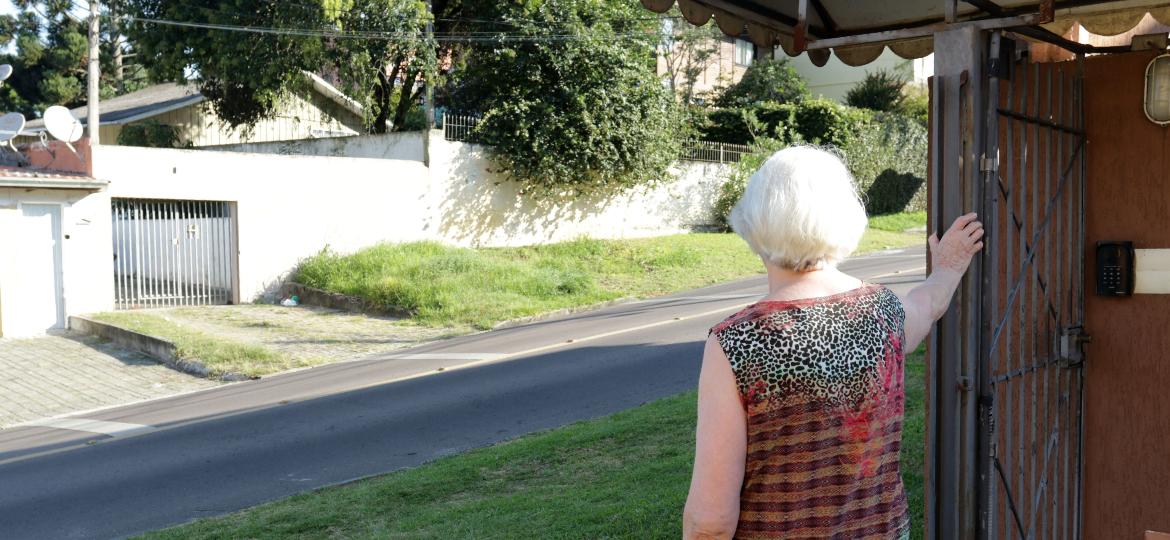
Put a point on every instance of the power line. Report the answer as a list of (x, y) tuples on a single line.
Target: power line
[(414, 35)]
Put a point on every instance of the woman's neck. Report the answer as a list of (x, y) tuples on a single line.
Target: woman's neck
[(785, 284)]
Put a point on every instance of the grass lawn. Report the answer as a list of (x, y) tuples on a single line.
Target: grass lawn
[(621, 476), (446, 286), (220, 355)]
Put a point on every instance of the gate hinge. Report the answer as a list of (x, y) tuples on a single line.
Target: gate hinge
[(988, 164), (1071, 351)]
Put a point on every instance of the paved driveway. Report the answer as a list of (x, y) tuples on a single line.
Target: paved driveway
[(66, 373)]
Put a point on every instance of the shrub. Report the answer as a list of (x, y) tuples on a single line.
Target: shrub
[(767, 80), (917, 105), (887, 158), (826, 122), (820, 121), (881, 90), (150, 133), (886, 154), (732, 190)]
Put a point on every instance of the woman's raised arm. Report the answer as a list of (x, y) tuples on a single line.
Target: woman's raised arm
[(950, 257)]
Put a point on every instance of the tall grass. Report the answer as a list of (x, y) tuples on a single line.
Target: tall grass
[(448, 286)]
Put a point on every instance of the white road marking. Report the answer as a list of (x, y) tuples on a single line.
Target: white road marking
[(446, 356), (113, 429), (906, 272)]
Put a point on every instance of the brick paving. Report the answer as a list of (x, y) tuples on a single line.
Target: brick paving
[(66, 372)]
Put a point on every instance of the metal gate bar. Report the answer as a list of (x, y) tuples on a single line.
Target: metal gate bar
[(1030, 389), (172, 253)]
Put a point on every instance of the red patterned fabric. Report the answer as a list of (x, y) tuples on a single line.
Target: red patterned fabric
[(821, 381)]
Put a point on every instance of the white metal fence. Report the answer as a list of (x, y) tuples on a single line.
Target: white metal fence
[(172, 253), (459, 127)]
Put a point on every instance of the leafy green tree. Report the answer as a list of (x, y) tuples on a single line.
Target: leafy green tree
[(574, 106), (49, 54), (377, 49), (685, 52), (766, 80), (880, 90)]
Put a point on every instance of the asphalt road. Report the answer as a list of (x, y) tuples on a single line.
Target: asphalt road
[(207, 453)]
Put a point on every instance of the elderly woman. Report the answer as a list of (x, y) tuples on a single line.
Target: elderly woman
[(801, 394)]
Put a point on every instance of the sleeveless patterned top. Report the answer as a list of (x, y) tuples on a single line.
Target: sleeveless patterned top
[(821, 381)]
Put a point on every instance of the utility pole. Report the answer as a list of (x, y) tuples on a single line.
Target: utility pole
[(94, 83), (430, 94)]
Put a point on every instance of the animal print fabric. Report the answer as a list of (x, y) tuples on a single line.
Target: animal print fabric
[(821, 381)]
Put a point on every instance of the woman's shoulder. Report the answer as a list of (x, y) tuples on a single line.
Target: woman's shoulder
[(865, 292)]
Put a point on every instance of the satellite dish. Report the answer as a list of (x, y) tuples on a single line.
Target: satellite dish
[(11, 125), (5, 72), (61, 124)]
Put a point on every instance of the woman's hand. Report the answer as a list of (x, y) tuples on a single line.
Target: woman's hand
[(950, 256), (961, 242)]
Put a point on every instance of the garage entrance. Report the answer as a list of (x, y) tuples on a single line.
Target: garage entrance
[(173, 253)]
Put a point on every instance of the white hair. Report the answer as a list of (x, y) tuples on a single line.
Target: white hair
[(801, 210)]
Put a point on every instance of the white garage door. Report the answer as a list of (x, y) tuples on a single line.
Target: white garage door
[(32, 297)]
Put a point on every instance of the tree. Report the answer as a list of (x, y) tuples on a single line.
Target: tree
[(570, 101), (376, 48), (49, 54), (685, 52), (880, 90), (766, 80)]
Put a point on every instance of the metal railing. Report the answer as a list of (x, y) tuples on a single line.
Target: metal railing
[(713, 152), (459, 127)]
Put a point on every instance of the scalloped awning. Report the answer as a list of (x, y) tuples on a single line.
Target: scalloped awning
[(773, 23)]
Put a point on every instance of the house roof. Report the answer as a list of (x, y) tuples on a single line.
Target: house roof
[(858, 32), (16, 177), (161, 98), (145, 103)]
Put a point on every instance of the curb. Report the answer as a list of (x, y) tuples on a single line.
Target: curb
[(510, 323), (154, 347), (316, 297)]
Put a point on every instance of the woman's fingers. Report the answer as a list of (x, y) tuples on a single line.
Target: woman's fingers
[(962, 221)]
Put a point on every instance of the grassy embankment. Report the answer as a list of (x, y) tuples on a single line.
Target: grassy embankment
[(465, 289)]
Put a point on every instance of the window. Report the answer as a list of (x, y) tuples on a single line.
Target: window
[(744, 52)]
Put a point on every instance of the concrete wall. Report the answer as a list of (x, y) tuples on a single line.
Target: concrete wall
[(291, 206), (476, 206), (406, 145), (87, 261)]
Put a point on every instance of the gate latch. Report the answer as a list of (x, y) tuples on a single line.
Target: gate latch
[(1071, 351)]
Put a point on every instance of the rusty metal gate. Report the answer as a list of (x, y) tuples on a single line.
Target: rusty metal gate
[(1030, 378), (173, 253)]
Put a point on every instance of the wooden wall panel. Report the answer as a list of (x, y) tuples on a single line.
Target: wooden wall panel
[(1127, 376)]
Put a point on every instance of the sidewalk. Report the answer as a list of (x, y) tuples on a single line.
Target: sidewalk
[(66, 373)]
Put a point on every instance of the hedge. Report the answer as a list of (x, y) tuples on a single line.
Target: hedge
[(885, 152)]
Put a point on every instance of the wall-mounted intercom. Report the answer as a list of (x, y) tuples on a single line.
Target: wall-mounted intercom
[(1115, 268)]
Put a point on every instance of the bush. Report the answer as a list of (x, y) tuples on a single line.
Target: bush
[(887, 158), (881, 90), (886, 154), (826, 122), (819, 121), (917, 106), (767, 80), (732, 190), (150, 133)]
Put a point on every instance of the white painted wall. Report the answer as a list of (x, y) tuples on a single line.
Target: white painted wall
[(87, 275), (408, 145), (290, 207)]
